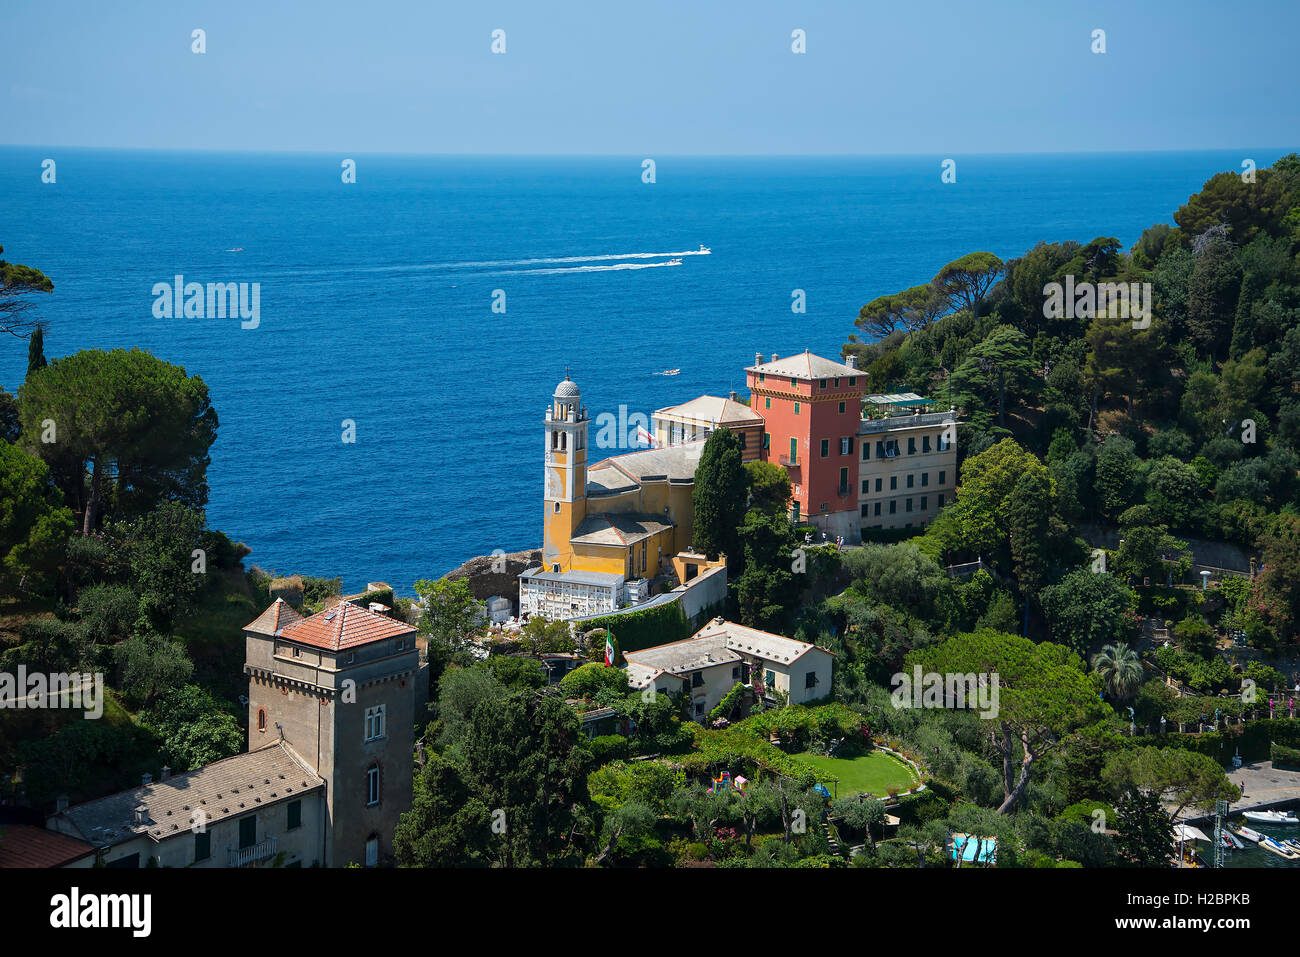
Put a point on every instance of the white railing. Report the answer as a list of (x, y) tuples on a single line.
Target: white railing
[(242, 857)]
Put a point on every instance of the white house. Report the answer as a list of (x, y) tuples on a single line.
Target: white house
[(710, 663)]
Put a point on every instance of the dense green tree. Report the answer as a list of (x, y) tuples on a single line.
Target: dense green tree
[(36, 351), (17, 284), (448, 824), (34, 524), (720, 493), (767, 586), (966, 281), (1087, 609), (1212, 296), (1145, 831), (195, 728), (1119, 669), (769, 487), (1043, 695), (155, 554), (1177, 776), (141, 425), (1000, 366), (451, 616)]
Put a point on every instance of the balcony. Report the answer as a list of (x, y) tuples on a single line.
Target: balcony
[(897, 422), (245, 856), (844, 491), (789, 461)]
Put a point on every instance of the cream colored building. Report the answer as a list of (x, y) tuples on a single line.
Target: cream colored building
[(908, 465), (712, 661), (696, 420)]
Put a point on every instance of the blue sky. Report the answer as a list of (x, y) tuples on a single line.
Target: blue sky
[(661, 78)]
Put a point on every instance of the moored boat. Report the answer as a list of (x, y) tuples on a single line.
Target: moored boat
[(1271, 817), (1249, 834), (1281, 850)]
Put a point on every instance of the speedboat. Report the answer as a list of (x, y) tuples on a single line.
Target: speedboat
[(1232, 839), (1281, 850), (1253, 836), (1291, 843), (674, 262), (1271, 817), (703, 250), (670, 372)]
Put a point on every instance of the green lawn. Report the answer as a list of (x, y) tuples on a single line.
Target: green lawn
[(874, 773)]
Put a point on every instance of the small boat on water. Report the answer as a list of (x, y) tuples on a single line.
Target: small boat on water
[(670, 372), (673, 262), (1292, 843), (1249, 834), (1281, 850), (1271, 817), (703, 250), (1230, 841)]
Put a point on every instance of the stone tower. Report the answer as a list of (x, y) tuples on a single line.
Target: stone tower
[(339, 687)]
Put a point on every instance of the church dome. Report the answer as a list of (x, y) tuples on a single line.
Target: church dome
[(568, 389)]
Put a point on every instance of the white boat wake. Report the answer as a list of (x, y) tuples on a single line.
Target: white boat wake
[(568, 269)]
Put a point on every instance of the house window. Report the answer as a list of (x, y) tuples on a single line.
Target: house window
[(925, 479), (878, 485), (795, 513), (910, 479), (822, 383), (247, 831), (295, 815), (866, 486), (374, 722), (762, 376), (909, 504), (942, 476), (372, 851), (866, 451), (297, 652), (810, 680), (796, 406), (557, 508), (401, 644), (352, 656), (893, 506), (767, 440), (769, 678), (911, 445), (865, 509), (794, 450), (893, 483), (943, 442), (826, 447), (697, 679), (877, 508), (735, 673), (743, 436), (699, 709), (846, 445), (767, 402), (841, 408), (844, 480), (853, 380), (261, 719), (372, 785), (924, 500), (941, 501), (836, 382), (202, 846), (925, 443)]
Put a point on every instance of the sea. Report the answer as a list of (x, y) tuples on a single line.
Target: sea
[(383, 420)]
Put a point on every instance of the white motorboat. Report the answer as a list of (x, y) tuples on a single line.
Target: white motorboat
[(1271, 817), (1281, 850), (1250, 835), (703, 250), (1231, 840), (674, 262)]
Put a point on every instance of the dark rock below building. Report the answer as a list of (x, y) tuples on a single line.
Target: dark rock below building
[(490, 575)]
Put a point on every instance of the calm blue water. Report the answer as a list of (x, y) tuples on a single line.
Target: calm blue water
[(376, 304)]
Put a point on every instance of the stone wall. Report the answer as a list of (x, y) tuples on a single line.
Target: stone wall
[(485, 580)]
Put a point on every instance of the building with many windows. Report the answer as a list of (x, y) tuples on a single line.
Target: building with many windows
[(811, 408), (907, 467)]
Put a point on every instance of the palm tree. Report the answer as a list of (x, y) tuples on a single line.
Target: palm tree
[(1120, 670)]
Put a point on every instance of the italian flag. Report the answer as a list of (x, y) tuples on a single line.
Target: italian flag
[(609, 649)]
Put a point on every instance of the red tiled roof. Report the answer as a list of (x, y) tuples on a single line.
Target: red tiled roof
[(22, 845), (344, 626), (279, 615)]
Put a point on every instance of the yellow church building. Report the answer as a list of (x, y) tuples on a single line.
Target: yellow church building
[(607, 527)]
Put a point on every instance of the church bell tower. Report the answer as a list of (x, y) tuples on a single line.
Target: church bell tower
[(565, 497)]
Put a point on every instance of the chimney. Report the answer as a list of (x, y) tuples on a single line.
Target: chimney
[(733, 395), (146, 779), (140, 814), (379, 608), (851, 361), (60, 803), (774, 357), (758, 358), (166, 772)]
